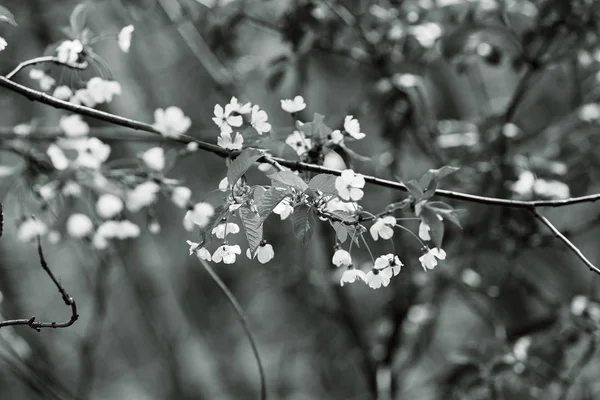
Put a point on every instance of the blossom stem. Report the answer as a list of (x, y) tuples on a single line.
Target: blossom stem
[(41, 60), (412, 233), (368, 248), (244, 321)]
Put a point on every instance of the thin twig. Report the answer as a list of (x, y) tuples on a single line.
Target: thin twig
[(44, 60), (566, 241), (244, 321), (68, 300)]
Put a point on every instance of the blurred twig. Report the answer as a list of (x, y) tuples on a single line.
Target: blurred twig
[(44, 60), (244, 321)]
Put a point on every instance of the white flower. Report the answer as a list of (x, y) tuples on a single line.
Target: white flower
[(53, 236), (235, 106), (295, 105), (142, 195), (375, 279), (201, 214), (203, 254), (79, 225), (427, 33), (193, 246), (62, 92), (46, 82), (83, 96), (72, 189), (388, 265), (470, 277), (341, 258), (128, 230), (383, 228), (258, 120), (524, 185), (299, 142), (109, 205), (589, 112), (91, 152), (264, 253), (57, 157), (3, 43), (68, 51), (222, 230), (171, 122), (428, 260), (30, 229), (36, 74), (337, 137), (180, 196), (227, 142), (351, 275), (192, 146), (22, 129), (551, 189), (154, 227), (154, 158), (352, 127), (48, 191), (224, 119), (349, 185), (424, 229), (102, 91), (284, 208), (124, 38), (224, 185), (335, 204), (521, 348), (73, 125), (108, 229), (579, 304), (226, 254)]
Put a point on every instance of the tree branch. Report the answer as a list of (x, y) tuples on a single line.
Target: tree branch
[(43, 60)]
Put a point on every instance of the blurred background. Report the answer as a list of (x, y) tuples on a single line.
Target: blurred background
[(503, 89)]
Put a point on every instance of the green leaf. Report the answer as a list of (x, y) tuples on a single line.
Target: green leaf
[(269, 200), (253, 226), (242, 163), (288, 178), (414, 189), (323, 182), (7, 16), (436, 227), (439, 206), (304, 223), (343, 231), (435, 175)]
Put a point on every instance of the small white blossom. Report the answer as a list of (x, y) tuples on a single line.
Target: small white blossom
[(521, 348), (224, 185), (383, 227), (264, 253), (579, 305), (30, 228), (72, 189), (124, 38), (142, 195), (180, 196), (524, 185), (222, 230), (82, 96), (109, 205), (171, 122), (201, 214), (68, 51), (426, 34), (193, 246), (375, 279), (299, 142), (62, 92), (154, 158), (589, 112), (203, 254), (284, 208), (79, 225), (352, 127), (551, 189), (92, 152), (22, 129), (227, 142), (470, 278), (46, 82), (428, 260), (424, 229), (73, 125), (57, 157), (36, 74), (223, 117), (236, 106), (351, 275), (341, 258), (388, 265), (349, 185), (128, 230), (53, 236), (3, 43), (258, 120), (337, 137), (293, 105), (192, 146), (226, 254), (154, 227), (102, 91)]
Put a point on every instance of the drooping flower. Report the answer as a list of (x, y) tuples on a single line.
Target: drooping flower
[(351, 275), (171, 122), (79, 225), (424, 229), (62, 92), (68, 51), (124, 38), (428, 260), (224, 185), (293, 105), (375, 279), (349, 185), (102, 91), (30, 228), (284, 208), (383, 227), (226, 253), (73, 125), (258, 120), (201, 214), (109, 205), (299, 142), (142, 195), (264, 253), (352, 127), (221, 230), (203, 254), (193, 246), (180, 196), (388, 265), (3, 43), (224, 117), (154, 158), (227, 142), (341, 258)]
